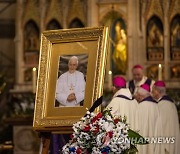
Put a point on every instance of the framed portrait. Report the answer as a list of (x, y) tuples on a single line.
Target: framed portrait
[(71, 76)]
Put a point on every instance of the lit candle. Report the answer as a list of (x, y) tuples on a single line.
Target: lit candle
[(159, 72), (110, 80), (34, 78)]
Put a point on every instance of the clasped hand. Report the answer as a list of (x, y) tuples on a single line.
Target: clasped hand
[(71, 97)]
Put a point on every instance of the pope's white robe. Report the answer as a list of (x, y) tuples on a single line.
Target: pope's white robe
[(170, 124), (148, 124), (123, 105), (70, 83)]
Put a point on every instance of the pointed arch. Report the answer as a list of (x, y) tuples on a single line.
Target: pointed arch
[(76, 23), (31, 36), (31, 43), (175, 37), (53, 24), (110, 17), (155, 39)]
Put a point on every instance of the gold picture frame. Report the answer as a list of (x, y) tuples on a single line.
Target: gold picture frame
[(54, 45)]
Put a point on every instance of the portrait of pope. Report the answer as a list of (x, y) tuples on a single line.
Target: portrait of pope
[(70, 86)]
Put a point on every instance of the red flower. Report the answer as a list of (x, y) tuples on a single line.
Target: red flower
[(71, 136), (116, 120), (99, 115), (96, 130), (110, 134), (87, 128), (94, 119), (79, 151)]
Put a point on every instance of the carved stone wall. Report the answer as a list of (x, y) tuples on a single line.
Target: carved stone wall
[(136, 15)]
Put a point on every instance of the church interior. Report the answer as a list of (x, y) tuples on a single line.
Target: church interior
[(145, 32)]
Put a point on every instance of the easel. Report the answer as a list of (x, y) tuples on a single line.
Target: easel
[(46, 136), (45, 139)]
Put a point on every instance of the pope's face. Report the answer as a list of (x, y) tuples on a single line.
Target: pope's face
[(73, 64), (137, 74)]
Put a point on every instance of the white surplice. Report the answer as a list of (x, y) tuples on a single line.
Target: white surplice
[(123, 106), (149, 125), (70, 83), (170, 125)]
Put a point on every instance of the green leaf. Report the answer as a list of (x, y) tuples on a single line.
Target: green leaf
[(132, 150), (136, 138)]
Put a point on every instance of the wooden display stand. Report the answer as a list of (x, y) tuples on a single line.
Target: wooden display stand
[(46, 137)]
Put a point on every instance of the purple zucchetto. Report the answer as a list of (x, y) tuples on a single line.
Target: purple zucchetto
[(119, 81), (145, 87), (160, 83)]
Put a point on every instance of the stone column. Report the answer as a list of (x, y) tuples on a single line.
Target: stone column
[(19, 69), (143, 37), (65, 7), (92, 14), (42, 15), (166, 46), (132, 36)]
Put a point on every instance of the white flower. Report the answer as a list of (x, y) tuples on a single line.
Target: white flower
[(109, 118), (83, 118), (84, 135), (65, 148), (108, 126), (96, 150), (99, 139), (88, 113), (92, 114), (101, 122)]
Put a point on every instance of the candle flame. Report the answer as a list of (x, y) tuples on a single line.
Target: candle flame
[(34, 69)]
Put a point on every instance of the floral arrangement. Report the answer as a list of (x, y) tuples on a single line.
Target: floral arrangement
[(101, 134)]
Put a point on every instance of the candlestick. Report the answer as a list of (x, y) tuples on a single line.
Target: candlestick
[(159, 72), (34, 79), (109, 80)]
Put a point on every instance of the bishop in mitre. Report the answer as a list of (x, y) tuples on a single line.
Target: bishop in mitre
[(147, 120), (122, 103), (169, 118), (70, 86)]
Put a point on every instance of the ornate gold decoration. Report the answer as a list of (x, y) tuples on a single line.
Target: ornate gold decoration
[(155, 55), (31, 12), (54, 12), (46, 116), (175, 71), (152, 72), (176, 55)]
